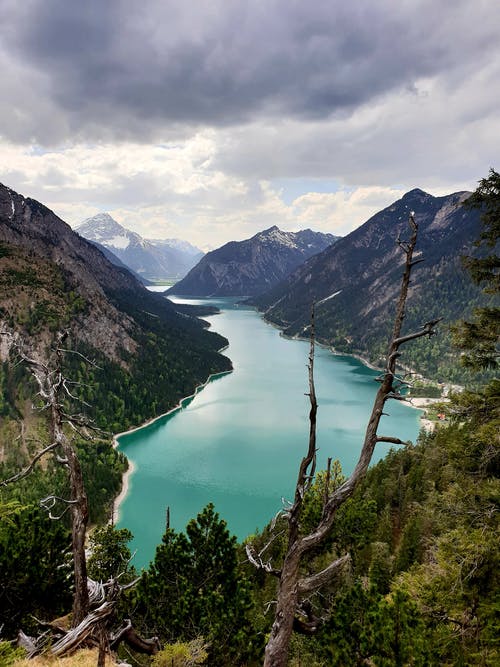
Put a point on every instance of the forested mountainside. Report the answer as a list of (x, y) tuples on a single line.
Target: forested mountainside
[(152, 259), (354, 282), (52, 279), (146, 355), (244, 268)]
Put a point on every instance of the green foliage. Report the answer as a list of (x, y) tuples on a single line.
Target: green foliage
[(182, 654), (480, 336), (368, 628), (5, 250), (102, 469), (425, 390), (27, 277), (165, 369), (354, 518), (9, 654), (33, 570), (194, 588), (486, 197), (110, 555), (9, 509)]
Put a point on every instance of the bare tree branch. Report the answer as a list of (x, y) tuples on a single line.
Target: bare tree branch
[(50, 383), (315, 581), (394, 441), (255, 559), (29, 468), (79, 354)]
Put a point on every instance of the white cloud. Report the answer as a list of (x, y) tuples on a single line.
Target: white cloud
[(193, 146), (341, 212)]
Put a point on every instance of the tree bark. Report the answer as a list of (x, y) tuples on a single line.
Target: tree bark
[(78, 499), (78, 529), (276, 653)]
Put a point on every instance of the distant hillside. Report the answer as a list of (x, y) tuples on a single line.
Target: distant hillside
[(149, 354), (245, 268), (354, 283), (156, 259)]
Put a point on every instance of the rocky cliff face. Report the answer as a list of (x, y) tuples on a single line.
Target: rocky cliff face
[(156, 259), (50, 277), (244, 268), (355, 282)]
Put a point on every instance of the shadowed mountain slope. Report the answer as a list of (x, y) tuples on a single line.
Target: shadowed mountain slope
[(354, 283), (51, 279)]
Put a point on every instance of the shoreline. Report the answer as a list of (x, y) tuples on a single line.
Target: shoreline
[(417, 403), (115, 512), (324, 345), (420, 403)]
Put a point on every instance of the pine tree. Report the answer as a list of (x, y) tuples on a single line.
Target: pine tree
[(33, 570), (479, 337), (193, 588)]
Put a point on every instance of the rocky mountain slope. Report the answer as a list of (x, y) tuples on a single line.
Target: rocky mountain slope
[(355, 282), (51, 278), (245, 268), (153, 259)]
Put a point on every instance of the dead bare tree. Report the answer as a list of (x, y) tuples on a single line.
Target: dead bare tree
[(93, 603), (53, 389), (93, 628), (292, 587)]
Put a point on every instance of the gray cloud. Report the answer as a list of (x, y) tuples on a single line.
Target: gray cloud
[(99, 70)]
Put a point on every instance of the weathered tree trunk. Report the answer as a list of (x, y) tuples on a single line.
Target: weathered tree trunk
[(291, 586), (78, 500), (276, 653), (52, 389), (80, 515)]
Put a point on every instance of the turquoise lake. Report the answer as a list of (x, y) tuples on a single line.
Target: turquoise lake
[(239, 441)]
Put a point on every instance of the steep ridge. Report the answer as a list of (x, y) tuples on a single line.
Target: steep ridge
[(51, 279), (355, 282), (153, 259), (245, 268)]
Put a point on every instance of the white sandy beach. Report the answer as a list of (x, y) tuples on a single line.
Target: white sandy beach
[(115, 515)]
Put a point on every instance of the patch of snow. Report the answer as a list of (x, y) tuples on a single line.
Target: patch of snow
[(327, 298), (120, 242), (283, 238)]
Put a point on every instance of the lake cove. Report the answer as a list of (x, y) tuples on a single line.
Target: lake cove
[(239, 441)]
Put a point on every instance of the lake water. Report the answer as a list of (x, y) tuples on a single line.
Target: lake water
[(239, 441)]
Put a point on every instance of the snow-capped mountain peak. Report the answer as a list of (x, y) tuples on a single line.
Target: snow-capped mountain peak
[(102, 228), (156, 259)]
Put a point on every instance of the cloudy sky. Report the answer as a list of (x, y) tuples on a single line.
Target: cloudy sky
[(211, 120)]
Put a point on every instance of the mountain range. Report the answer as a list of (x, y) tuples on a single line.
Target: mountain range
[(354, 283), (151, 259), (52, 279), (249, 267)]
